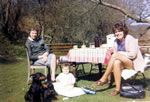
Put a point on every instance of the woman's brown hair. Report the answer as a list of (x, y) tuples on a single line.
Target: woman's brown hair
[(120, 27), (35, 28)]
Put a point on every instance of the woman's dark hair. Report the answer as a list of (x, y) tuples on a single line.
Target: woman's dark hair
[(120, 27), (35, 28)]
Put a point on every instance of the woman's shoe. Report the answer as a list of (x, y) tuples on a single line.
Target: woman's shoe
[(115, 92), (99, 83)]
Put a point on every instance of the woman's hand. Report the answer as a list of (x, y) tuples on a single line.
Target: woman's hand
[(44, 59), (40, 57), (45, 54), (111, 50)]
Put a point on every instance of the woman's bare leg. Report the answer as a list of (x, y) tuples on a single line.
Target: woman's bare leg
[(117, 73), (108, 69), (53, 67), (120, 63), (127, 63)]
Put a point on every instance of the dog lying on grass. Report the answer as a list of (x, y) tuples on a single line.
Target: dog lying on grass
[(38, 91)]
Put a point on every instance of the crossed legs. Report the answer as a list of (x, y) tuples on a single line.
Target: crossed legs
[(117, 63)]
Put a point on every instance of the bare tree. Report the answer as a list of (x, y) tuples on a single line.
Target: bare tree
[(79, 21), (63, 20), (137, 19), (41, 17)]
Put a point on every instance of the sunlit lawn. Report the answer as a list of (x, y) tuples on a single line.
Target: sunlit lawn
[(13, 85)]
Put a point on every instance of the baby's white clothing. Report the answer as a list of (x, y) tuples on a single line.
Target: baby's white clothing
[(62, 87)]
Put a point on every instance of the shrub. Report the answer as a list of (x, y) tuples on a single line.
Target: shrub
[(19, 50), (6, 49)]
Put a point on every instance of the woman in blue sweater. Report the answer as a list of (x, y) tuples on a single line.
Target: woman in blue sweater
[(39, 52)]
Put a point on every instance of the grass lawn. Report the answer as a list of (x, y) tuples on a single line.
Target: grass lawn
[(13, 85)]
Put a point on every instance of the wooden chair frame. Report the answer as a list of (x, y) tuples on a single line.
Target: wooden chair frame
[(32, 68)]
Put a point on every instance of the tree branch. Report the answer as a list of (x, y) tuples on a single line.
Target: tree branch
[(101, 2)]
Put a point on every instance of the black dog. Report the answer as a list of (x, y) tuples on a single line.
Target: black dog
[(35, 93), (39, 92), (49, 92)]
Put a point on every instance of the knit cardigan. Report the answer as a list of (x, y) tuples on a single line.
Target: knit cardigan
[(132, 52)]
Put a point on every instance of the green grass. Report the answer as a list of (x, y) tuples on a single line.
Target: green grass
[(13, 85)]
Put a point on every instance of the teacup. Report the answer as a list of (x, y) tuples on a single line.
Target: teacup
[(75, 47)]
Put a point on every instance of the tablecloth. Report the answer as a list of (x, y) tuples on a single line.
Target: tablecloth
[(92, 55)]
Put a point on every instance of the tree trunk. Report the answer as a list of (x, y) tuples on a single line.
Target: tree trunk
[(7, 11), (42, 32)]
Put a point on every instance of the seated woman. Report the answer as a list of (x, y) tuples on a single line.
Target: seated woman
[(126, 54), (39, 53)]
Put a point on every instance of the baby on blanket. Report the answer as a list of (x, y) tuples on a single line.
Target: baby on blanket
[(65, 83)]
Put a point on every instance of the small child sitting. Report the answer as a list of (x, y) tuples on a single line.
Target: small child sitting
[(65, 83)]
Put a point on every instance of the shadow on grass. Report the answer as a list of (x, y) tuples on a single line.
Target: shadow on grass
[(90, 77), (109, 87), (96, 76)]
